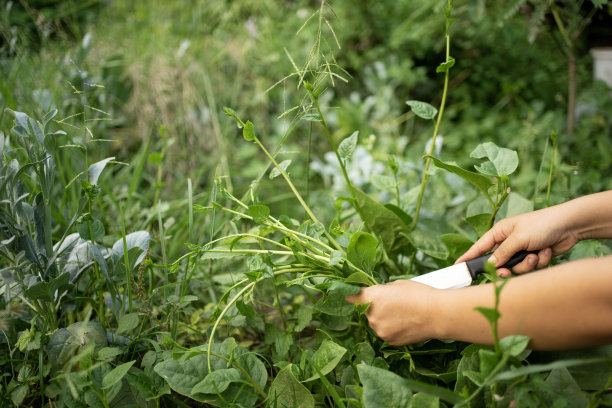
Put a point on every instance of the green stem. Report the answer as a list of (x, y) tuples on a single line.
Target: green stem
[(280, 308), (287, 179), (498, 206), (552, 165), (294, 190), (435, 134), (315, 100), (126, 261)]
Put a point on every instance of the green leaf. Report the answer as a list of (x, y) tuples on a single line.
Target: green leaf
[(245, 309), (422, 109), (287, 392), (383, 389), (116, 374), (456, 244), (361, 250), (344, 288), (95, 170), (514, 345), (248, 132), (232, 113), (359, 278), (347, 146), (127, 322), (138, 239), (383, 222), (275, 172), (326, 358), (589, 249), (406, 219), (480, 222), (182, 375), (260, 213), (502, 161), (423, 400), (445, 66), (335, 257), (560, 385), (478, 180), (492, 315), (65, 342), (108, 353), (217, 381), (334, 304), (304, 317), (97, 228), (429, 243), (488, 361), (50, 115)]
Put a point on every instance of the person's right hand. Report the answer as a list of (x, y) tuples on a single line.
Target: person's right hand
[(541, 230)]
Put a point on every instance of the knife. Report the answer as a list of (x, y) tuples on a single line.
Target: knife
[(462, 274)]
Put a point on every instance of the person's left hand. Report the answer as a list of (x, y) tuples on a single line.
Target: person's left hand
[(400, 312)]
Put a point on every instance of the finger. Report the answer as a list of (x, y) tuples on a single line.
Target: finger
[(490, 240), (484, 244), (504, 273), (354, 298), (507, 249), (528, 264), (544, 257)]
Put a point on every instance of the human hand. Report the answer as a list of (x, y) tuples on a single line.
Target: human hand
[(543, 230), (401, 312)]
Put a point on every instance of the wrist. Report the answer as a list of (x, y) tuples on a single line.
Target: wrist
[(438, 313)]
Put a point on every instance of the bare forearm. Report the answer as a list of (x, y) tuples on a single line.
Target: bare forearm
[(590, 216), (567, 306)]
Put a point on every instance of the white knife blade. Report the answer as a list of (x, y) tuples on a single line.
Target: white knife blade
[(462, 274)]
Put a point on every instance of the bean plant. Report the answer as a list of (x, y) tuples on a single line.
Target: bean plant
[(253, 314)]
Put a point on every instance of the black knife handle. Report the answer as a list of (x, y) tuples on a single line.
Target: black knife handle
[(476, 266)]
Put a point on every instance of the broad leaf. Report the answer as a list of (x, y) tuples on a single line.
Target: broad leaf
[(383, 389), (140, 239), (422, 109), (480, 222), (217, 381), (116, 374), (347, 146), (478, 180), (361, 250), (445, 66), (184, 374), (276, 172), (260, 213), (127, 322), (383, 222), (326, 358), (95, 170), (514, 345), (287, 392), (248, 132), (502, 161), (429, 243), (64, 343)]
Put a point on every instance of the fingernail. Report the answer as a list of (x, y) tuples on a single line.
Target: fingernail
[(492, 260), (532, 260), (503, 274)]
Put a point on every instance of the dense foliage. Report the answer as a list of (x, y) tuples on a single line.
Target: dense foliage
[(188, 191)]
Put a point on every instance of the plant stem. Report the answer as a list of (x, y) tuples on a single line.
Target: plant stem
[(315, 100), (552, 165), (435, 134)]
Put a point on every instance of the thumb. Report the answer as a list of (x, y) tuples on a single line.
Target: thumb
[(505, 251), (353, 298)]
